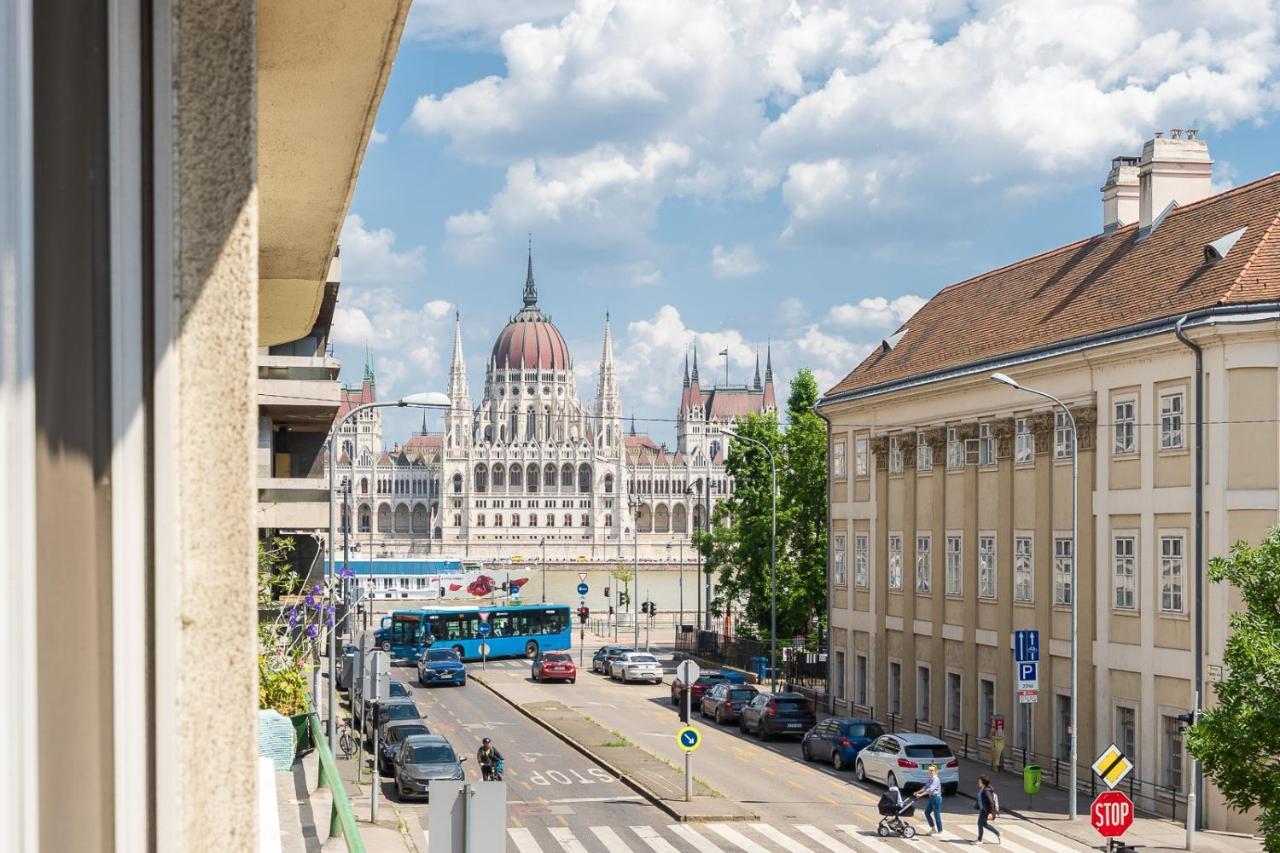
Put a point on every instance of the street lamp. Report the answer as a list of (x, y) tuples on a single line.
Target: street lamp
[(633, 500), (424, 400), (773, 555), (1075, 536), (543, 544)]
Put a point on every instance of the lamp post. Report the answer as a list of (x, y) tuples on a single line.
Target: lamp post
[(773, 554), (634, 501), (427, 400), (544, 569), (1075, 537)]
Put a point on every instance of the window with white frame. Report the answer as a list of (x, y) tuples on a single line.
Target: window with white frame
[(1124, 573), (1125, 427), (1024, 442), (972, 451), (1023, 569), (986, 567), (1171, 412), (1171, 573), (986, 445), (861, 461), (895, 688), (955, 565), (1127, 731), (895, 561), (953, 701), (1063, 569), (955, 449), (838, 559), (986, 705), (924, 563), (1063, 443), (860, 679), (922, 693), (861, 560), (837, 460), (895, 455), (924, 454)]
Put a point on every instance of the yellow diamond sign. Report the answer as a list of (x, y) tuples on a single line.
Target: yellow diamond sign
[(1112, 766)]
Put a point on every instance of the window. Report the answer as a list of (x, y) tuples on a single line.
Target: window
[(1024, 443), (986, 705), (1127, 732), (922, 693), (986, 445), (838, 687), (895, 561), (924, 563), (861, 462), (895, 688), (924, 454), (1171, 751), (860, 679), (480, 520), (955, 565), (953, 701), (1171, 411), (986, 567), (971, 451), (837, 460), (1063, 441), (1062, 732), (1024, 569), (1125, 573), (955, 449), (861, 560), (1063, 570), (497, 520), (838, 560), (1171, 574), (515, 519), (586, 519), (1125, 427), (895, 456)]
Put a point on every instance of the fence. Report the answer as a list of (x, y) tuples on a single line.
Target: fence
[(800, 669), (341, 819)]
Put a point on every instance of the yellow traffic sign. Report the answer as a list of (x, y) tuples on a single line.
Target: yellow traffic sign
[(1112, 766), (689, 738)]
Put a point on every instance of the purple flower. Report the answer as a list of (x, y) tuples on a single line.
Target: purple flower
[(310, 600), (317, 589), (312, 631), (293, 617), (328, 609), (346, 573)]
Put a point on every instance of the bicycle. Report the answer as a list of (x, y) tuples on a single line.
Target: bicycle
[(346, 740)]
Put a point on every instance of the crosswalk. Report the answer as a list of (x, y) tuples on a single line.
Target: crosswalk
[(1017, 837)]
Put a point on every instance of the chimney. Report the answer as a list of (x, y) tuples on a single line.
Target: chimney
[(1175, 168), (1120, 194)]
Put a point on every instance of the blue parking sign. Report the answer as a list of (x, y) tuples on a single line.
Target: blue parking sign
[(1027, 671)]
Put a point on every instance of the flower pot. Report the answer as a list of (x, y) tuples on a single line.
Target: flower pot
[(302, 732)]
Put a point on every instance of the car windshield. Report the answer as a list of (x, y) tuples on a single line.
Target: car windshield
[(448, 655), (642, 659), (398, 689), (401, 711), (395, 734), (560, 657), (619, 652), (741, 693), (927, 750), (791, 704), (863, 730), (709, 679), (431, 753)]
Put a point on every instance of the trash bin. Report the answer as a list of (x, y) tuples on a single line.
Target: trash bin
[(1031, 779), (760, 666)]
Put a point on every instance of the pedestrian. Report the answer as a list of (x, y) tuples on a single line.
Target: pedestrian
[(932, 790), (988, 808)]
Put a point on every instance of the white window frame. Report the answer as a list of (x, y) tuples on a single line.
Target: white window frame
[(1173, 420), (837, 460), (895, 455), (894, 696), (1173, 572), (1171, 745), (1124, 426), (1024, 567), (1024, 443), (988, 571), (1063, 446), (924, 454), (954, 710), (924, 698), (1063, 570), (862, 560), (895, 562), (1124, 571), (924, 563), (955, 564), (861, 458), (838, 559), (986, 445), (955, 450)]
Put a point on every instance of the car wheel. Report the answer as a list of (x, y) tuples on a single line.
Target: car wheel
[(860, 771), (573, 681), (531, 649), (804, 750), (891, 781), (385, 645), (719, 717), (949, 790), (762, 731), (837, 760), (742, 726)]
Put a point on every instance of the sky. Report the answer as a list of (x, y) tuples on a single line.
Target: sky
[(753, 174)]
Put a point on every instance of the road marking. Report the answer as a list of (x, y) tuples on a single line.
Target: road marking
[(562, 820), (656, 842), (610, 839), (779, 838), (793, 783), (827, 799), (1012, 846), (601, 800), (527, 786), (732, 835), (566, 839), (822, 838), (865, 840), (688, 833), (523, 840)]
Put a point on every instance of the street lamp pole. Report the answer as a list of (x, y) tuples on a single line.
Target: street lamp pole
[(634, 501), (773, 555), (544, 570), (1075, 556)]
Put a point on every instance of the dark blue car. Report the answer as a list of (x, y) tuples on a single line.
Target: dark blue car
[(839, 740), (441, 666)]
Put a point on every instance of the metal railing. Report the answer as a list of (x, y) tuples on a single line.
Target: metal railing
[(342, 820)]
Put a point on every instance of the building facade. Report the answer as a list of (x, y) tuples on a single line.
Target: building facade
[(533, 472), (951, 494)]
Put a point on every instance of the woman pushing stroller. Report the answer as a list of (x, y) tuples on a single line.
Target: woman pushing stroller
[(894, 810)]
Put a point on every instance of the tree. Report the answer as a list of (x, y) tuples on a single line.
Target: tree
[(804, 499), (1238, 739)]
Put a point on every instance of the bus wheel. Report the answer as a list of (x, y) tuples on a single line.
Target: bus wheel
[(385, 645), (531, 649)]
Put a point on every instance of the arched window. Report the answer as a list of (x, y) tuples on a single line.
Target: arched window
[(699, 518), (402, 518), (568, 520), (511, 428), (364, 485), (482, 478), (551, 519), (584, 477), (515, 477), (608, 484), (488, 434), (586, 520), (384, 519), (366, 519), (531, 425), (566, 476), (533, 519), (715, 449), (679, 519), (549, 477), (347, 448), (499, 476), (531, 478), (662, 519), (644, 519), (457, 484), (497, 520), (420, 520), (457, 522)]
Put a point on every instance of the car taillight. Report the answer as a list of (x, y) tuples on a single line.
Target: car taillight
[(907, 762), (772, 710), (955, 762), (845, 742)]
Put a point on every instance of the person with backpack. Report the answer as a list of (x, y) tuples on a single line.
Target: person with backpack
[(988, 808)]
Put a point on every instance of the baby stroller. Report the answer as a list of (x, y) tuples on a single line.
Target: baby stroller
[(892, 810)]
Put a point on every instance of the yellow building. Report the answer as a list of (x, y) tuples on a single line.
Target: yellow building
[(951, 493)]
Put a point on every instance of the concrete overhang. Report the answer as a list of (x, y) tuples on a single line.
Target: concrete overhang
[(322, 69)]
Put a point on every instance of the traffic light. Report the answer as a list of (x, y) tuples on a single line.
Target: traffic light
[(584, 613), (1188, 719), (606, 592), (653, 609), (644, 607)]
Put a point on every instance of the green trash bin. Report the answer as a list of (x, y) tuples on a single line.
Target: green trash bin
[(1031, 779)]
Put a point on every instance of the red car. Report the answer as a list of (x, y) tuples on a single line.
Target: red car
[(554, 666), (702, 685)]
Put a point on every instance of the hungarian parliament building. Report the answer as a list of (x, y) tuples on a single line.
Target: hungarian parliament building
[(532, 472)]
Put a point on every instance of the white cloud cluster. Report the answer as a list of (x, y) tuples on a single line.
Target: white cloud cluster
[(405, 342), (876, 312), (734, 262), (369, 256)]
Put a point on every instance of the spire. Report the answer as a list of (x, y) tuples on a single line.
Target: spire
[(368, 366), (769, 401), (530, 289), (695, 364), (424, 423), (768, 365), (686, 369), (756, 383), (633, 424), (458, 368), (606, 354)]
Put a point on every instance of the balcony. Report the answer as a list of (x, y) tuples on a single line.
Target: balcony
[(299, 389), (293, 503)]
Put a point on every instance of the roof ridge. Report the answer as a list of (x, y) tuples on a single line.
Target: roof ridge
[(1266, 235), (1192, 205)]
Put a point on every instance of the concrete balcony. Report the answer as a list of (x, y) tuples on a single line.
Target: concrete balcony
[(293, 503), (299, 389)]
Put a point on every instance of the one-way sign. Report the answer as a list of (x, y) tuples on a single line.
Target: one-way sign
[(1026, 645)]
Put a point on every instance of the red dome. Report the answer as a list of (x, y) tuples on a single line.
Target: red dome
[(531, 341)]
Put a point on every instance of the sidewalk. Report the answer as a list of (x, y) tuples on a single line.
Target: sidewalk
[(304, 814)]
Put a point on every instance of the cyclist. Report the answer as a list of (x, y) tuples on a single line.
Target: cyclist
[(490, 761)]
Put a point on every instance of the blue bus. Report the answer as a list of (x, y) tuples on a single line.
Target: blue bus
[(514, 630)]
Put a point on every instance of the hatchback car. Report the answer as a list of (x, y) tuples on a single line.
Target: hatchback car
[(421, 760), (391, 711), (724, 701), (903, 759), (770, 714), (395, 690), (554, 666), (636, 666), (393, 737), (605, 656), (703, 683), (441, 666), (839, 740)]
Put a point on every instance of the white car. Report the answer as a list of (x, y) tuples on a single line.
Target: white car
[(903, 759), (636, 666)]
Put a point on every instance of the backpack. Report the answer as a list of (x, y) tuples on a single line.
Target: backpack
[(993, 800)]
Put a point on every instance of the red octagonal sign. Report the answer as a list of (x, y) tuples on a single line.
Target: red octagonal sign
[(1111, 814)]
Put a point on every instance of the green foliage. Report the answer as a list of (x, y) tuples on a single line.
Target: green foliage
[(282, 684), (273, 579), (1238, 739)]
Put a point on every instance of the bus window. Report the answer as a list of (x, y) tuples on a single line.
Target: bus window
[(404, 628), (500, 624)]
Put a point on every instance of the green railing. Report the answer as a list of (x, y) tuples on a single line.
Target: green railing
[(342, 821)]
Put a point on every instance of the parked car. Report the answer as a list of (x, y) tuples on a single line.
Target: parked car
[(393, 737), (441, 666), (422, 759), (605, 656), (396, 690), (391, 711), (636, 666), (705, 681), (554, 666), (725, 701), (770, 714), (903, 759), (839, 740)]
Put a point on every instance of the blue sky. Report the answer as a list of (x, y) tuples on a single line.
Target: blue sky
[(729, 174)]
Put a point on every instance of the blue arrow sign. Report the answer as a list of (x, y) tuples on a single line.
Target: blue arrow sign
[(1026, 645), (583, 589), (689, 738), (484, 629)]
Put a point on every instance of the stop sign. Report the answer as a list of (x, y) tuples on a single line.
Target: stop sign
[(1111, 814)]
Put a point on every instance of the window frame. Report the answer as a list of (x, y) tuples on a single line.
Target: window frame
[(1063, 583), (862, 560), (986, 444), (1171, 745), (861, 457), (924, 558), (1024, 567), (984, 721), (953, 714), (1024, 452), (893, 674), (894, 553), (989, 568), (1131, 582), (955, 450), (860, 678), (924, 698), (924, 454), (838, 471), (895, 456), (1169, 537), (1180, 415), (839, 559), (954, 572), (1124, 426), (1131, 754), (1063, 445)]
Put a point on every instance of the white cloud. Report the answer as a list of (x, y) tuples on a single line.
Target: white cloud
[(734, 262), (369, 256), (477, 22), (377, 137), (876, 312), (411, 346)]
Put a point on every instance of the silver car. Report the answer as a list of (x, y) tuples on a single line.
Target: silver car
[(636, 666)]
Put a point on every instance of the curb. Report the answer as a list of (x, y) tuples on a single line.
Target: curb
[(623, 777)]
